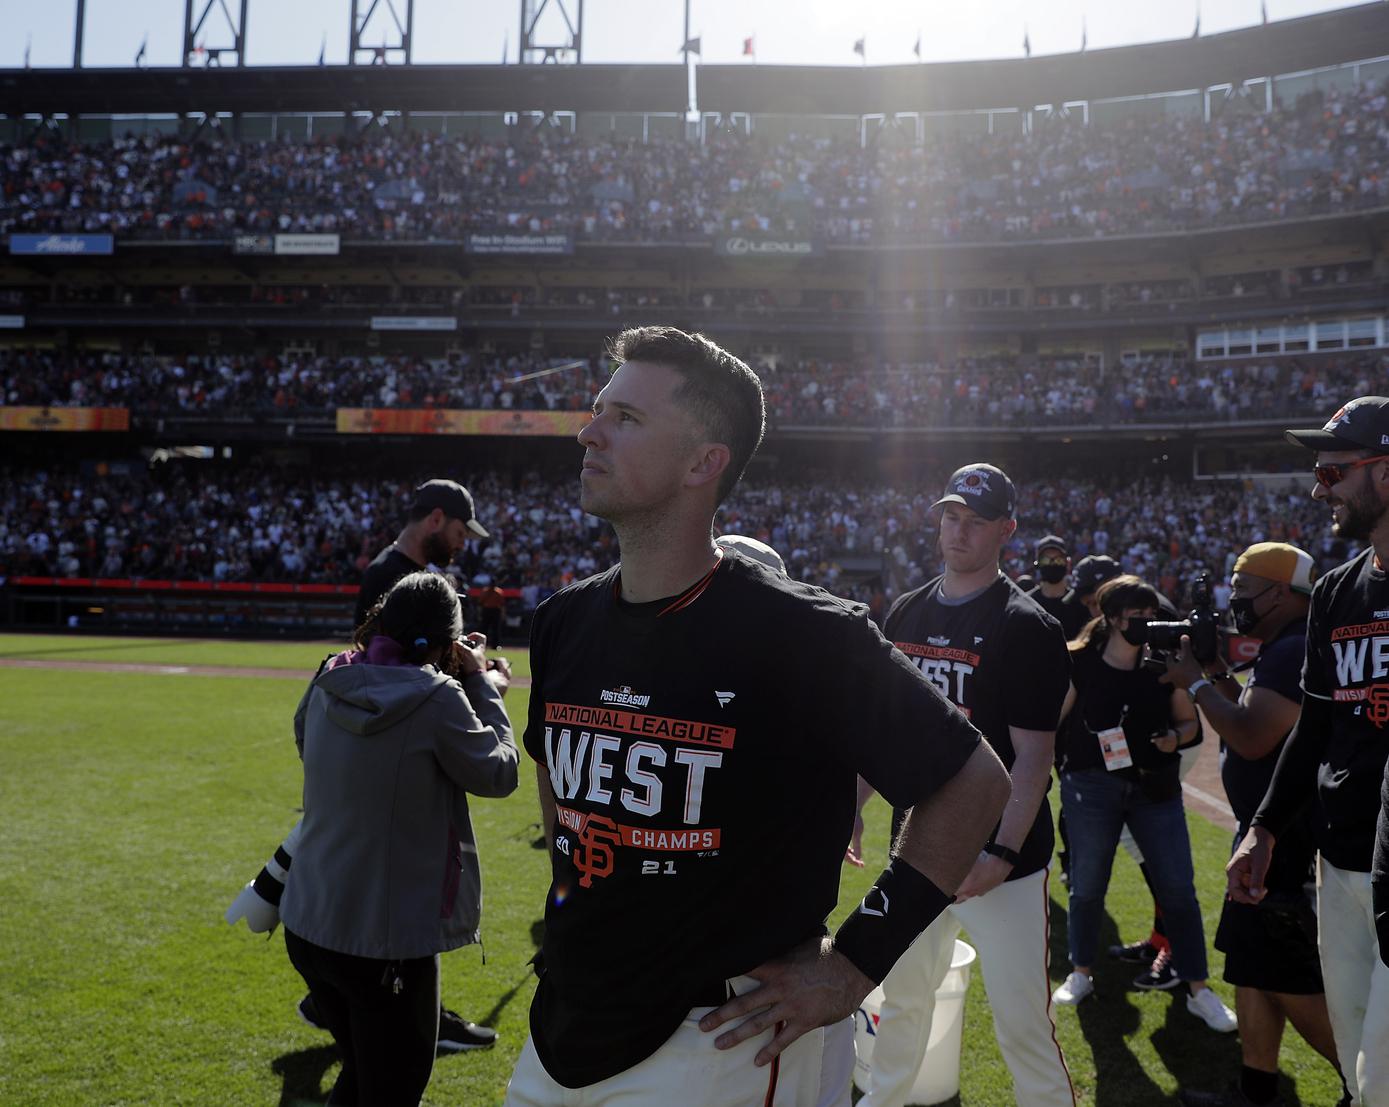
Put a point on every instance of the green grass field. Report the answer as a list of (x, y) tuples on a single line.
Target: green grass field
[(134, 806)]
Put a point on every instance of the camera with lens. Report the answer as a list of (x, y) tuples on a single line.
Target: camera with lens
[(1202, 626)]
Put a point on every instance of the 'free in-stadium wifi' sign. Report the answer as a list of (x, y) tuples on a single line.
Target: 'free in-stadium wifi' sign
[(746, 246), (62, 244), (506, 242)]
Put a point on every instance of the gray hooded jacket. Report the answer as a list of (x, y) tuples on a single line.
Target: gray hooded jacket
[(387, 864)]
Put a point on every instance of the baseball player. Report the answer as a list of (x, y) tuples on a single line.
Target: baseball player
[(698, 722), (1337, 750), (1002, 661)]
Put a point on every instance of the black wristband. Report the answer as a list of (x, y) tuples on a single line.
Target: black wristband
[(1012, 856), (892, 915)]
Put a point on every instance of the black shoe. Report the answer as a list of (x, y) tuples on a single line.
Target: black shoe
[(1135, 953), (309, 1013), (457, 1034), (1232, 1096), (1160, 978)]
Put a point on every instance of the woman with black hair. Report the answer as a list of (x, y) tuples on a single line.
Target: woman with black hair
[(393, 735), (1121, 728)]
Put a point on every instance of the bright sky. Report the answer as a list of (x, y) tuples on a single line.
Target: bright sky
[(786, 32)]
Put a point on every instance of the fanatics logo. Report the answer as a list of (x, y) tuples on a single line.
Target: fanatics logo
[(624, 695), (978, 638), (724, 697)]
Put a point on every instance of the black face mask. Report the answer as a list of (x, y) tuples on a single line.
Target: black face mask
[(1052, 574), (1135, 633), (1242, 611)]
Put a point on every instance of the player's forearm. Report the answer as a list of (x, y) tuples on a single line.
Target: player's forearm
[(1295, 777), (1236, 726), (944, 833), (1031, 773)]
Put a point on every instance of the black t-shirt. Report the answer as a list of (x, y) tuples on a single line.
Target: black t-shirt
[(385, 569), (703, 755), (1107, 697), (1348, 665), (1002, 660), (1278, 668), (1069, 612)]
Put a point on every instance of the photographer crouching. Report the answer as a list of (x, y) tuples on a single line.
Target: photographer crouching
[(1270, 949)]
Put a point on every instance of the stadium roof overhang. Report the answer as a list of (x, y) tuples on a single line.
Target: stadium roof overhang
[(1287, 46), (478, 88)]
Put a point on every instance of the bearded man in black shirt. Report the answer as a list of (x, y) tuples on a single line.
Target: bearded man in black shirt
[(1270, 950), (1002, 660), (698, 722), (1336, 754)]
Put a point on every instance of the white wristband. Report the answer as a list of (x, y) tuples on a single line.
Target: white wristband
[(1196, 687)]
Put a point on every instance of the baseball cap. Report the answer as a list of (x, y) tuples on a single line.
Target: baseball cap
[(1281, 562), (1090, 573), (1363, 424), (452, 499), (984, 489), (1050, 542), (751, 547)]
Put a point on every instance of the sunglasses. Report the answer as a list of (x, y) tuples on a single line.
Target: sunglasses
[(1328, 474)]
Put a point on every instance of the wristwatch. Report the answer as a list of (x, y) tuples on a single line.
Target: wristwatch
[(1012, 856), (1196, 687)]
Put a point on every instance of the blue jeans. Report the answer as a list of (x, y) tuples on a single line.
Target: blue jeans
[(1097, 804)]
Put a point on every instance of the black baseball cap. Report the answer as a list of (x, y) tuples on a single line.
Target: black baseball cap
[(452, 499), (1090, 573), (1050, 542), (984, 489), (1363, 424)]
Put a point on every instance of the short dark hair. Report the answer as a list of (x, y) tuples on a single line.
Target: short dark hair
[(720, 391)]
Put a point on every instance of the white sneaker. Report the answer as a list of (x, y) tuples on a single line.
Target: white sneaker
[(1075, 988), (1206, 1006)]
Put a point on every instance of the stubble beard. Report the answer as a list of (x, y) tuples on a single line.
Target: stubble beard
[(1364, 512)]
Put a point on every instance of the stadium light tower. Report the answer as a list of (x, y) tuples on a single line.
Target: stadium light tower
[(531, 11), (212, 55), (379, 54)]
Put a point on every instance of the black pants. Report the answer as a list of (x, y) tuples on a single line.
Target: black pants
[(386, 1031)]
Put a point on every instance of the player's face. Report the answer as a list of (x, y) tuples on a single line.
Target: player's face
[(639, 447), (441, 546), (1356, 506), (968, 541)]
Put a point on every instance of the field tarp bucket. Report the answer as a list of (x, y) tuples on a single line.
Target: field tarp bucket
[(939, 1078)]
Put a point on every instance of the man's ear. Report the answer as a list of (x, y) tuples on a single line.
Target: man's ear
[(1010, 530), (710, 462)]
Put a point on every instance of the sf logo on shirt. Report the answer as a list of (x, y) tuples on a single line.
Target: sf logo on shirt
[(1356, 649), (608, 765)]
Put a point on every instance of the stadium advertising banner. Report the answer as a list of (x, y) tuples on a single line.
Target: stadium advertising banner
[(11, 322), (308, 244), (258, 244), (743, 246), (414, 323), (64, 419), (560, 243), (527, 424), (62, 244)]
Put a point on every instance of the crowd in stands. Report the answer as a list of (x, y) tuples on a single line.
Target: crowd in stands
[(1328, 152), (855, 535), (969, 392)]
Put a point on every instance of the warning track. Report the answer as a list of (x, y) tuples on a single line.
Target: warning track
[(147, 669)]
